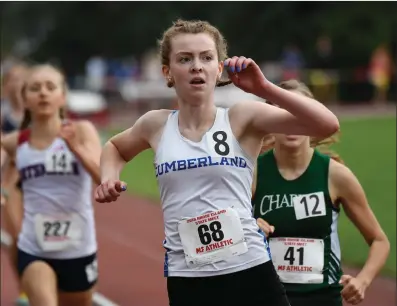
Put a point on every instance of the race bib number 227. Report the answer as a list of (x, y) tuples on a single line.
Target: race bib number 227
[(58, 233)]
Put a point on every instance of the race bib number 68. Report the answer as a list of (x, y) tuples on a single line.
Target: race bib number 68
[(212, 237)]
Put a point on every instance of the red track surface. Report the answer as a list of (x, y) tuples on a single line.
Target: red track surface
[(130, 234), (381, 293)]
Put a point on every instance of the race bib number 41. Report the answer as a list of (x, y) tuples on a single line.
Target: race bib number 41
[(58, 233), (212, 237), (298, 260)]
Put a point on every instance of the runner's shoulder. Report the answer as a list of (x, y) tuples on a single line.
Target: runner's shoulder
[(154, 120), (9, 142)]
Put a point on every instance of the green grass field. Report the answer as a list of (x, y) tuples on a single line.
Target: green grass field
[(368, 147)]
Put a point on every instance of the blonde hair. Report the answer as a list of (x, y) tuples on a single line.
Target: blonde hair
[(192, 27), (27, 116), (322, 145)]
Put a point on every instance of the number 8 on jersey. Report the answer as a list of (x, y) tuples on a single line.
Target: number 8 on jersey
[(220, 143)]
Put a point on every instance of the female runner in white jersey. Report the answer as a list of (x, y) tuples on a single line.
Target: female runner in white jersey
[(205, 158), (11, 116), (57, 161)]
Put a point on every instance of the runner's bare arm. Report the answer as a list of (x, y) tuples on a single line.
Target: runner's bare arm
[(9, 177), (3, 157), (351, 194), (123, 147), (8, 146), (297, 114), (89, 150)]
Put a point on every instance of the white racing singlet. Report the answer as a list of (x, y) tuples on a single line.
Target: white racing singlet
[(58, 218), (205, 190)]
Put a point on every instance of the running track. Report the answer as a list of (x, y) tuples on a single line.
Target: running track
[(130, 234)]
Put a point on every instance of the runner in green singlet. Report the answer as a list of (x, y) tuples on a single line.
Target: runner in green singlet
[(299, 193)]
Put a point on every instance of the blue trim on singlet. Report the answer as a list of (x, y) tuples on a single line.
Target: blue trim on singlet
[(266, 243), (264, 237), (166, 258), (8, 126)]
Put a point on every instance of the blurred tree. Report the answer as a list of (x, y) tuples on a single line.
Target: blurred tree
[(73, 31), (358, 29)]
